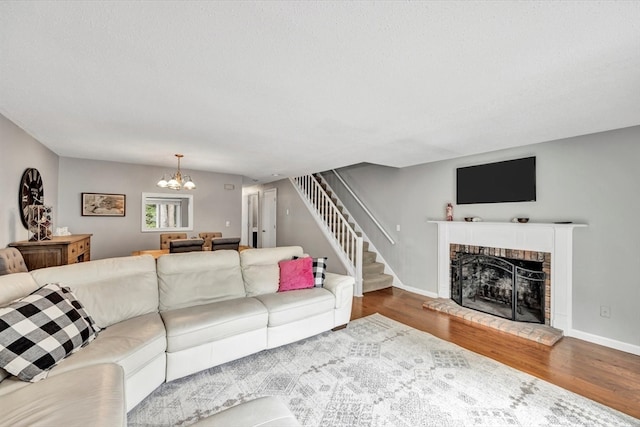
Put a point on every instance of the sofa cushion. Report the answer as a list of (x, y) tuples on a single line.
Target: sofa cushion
[(287, 307), (296, 274), (260, 269), (261, 279), (91, 396), (197, 278), (40, 330), (192, 326), (15, 286), (78, 306), (132, 344), (112, 290)]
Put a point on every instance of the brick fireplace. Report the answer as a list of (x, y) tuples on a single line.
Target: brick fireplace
[(553, 243)]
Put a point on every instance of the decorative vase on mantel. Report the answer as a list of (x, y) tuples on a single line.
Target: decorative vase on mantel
[(40, 223)]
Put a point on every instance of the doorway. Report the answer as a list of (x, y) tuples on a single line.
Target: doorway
[(253, 218), (269, 213)]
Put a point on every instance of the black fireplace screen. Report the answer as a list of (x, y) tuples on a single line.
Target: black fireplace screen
[(509, 288)]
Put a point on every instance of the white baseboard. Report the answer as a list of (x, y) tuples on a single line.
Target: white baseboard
[(607, 342), (416, 290)]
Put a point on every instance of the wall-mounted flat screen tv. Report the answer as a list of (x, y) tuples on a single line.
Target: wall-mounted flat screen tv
[(500, 182)]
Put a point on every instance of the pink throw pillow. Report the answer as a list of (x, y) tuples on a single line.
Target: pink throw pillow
[(296, 274)]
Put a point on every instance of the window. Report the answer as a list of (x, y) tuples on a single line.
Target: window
[(166, 212)]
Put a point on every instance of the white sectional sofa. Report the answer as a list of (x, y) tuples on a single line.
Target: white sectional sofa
[(161, 321)]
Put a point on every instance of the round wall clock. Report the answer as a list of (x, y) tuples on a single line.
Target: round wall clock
[(31, 193)]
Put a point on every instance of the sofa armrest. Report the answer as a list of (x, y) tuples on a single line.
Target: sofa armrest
[(341, 286)]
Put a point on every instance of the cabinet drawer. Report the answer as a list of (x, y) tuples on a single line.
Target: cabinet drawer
[(72, 251)]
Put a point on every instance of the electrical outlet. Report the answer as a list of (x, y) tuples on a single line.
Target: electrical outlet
[(397, 227), (227, 223), (605, 311)]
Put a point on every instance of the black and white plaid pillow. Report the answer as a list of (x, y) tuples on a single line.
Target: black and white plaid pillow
[(319, 267), (40, 330)]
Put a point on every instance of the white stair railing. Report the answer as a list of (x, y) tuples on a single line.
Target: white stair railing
[(342, 236)]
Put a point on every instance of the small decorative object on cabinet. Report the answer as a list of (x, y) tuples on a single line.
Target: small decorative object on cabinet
[(59, 250), (449, 212), (39, 222)]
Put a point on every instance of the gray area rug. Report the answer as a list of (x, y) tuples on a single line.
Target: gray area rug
[(377, 372)]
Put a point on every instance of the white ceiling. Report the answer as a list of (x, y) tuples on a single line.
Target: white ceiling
[(262, 88)]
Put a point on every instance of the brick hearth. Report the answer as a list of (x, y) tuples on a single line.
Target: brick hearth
[(539, 333)]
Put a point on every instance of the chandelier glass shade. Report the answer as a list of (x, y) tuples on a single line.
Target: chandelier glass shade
[(177, 180)]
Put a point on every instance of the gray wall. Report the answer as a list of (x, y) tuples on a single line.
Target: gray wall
[(19, 151), (119, 236), (590, 179)]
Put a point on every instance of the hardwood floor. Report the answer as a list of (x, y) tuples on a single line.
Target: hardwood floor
[(608, 376)]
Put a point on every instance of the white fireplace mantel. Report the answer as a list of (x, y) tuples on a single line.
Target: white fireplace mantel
[(542, 237)]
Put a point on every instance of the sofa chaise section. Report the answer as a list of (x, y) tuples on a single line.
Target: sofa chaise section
[(89, 396), (121, 294)]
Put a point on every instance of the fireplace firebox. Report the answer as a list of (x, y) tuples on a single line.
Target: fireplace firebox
[(510, 288)]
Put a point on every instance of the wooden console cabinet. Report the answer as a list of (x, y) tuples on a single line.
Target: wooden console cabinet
[(60, 250)]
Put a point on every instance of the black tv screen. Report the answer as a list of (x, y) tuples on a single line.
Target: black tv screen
[(508, 181)]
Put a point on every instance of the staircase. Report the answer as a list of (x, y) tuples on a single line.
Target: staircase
[(373, 276)]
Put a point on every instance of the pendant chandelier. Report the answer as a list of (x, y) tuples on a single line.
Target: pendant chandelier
[(177, 181)]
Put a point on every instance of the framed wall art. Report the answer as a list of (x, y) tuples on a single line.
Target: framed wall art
[(103, 204)]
